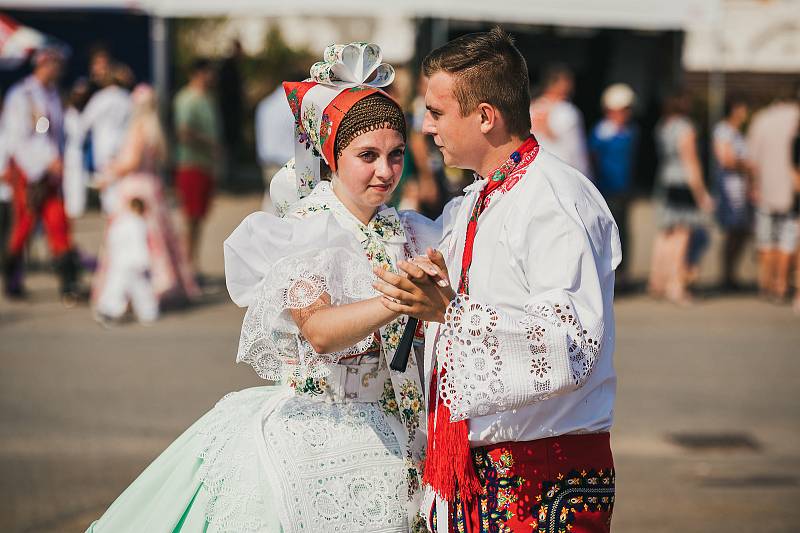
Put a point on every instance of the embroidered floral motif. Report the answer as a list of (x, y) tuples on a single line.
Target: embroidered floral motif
[(386, 226), (309, 386), (501, 489), (553, 509), (294, 104), (325, 129), (309, 122), (513, 170), (388, 401), (475, 319), (575, 492)]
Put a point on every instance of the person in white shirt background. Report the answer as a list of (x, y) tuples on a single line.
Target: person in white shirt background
[(106, 117), (127, 277), (520, 361), (557, 123), (274, 136), (76, 178)]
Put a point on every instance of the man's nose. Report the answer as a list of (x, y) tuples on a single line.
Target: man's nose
[(428, 125)]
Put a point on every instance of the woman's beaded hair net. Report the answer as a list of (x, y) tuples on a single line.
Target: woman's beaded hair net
[(374, 112)]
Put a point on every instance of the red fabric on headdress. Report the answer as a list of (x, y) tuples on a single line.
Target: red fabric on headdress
[(332, 115)]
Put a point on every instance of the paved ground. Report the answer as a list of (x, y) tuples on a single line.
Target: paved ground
[(83, 410)]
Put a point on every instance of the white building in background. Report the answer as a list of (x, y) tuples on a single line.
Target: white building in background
[(746, 36)]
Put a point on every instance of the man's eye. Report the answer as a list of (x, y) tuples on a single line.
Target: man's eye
[(398, 153)]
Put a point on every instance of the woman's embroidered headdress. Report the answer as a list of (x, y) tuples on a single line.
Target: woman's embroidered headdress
[(348, 75)]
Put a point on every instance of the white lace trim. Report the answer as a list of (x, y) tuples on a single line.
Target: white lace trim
[(339, 467), (231, 471), (271, 342), (493, 363)]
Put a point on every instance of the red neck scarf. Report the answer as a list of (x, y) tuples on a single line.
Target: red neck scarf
[(448, 467)]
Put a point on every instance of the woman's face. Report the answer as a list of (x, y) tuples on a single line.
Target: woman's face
[(369, 170)]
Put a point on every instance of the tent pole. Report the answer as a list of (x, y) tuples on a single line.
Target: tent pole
[(159, 61)]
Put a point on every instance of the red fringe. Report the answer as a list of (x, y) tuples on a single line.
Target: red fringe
[(448, 466)]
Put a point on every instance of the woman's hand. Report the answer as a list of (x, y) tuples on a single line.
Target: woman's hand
[(423, 291)]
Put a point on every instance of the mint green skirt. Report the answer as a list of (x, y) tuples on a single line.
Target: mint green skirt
[(185, 489), (266, 460)]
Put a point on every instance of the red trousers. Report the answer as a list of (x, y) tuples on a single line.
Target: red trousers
[(554, 485), (49, 209)]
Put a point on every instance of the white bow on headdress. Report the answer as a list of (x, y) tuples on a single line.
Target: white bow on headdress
[(348, 65), (344, 66)]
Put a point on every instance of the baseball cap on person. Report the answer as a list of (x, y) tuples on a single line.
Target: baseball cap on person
[(618, 96)]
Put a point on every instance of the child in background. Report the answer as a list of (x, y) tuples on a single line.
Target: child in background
[(128, 273)]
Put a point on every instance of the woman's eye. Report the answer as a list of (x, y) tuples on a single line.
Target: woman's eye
[(367, 156)]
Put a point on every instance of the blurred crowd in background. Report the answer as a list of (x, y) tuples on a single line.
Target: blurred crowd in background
[(75, 142)]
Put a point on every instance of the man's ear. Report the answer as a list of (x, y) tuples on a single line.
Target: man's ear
[(489, 117)]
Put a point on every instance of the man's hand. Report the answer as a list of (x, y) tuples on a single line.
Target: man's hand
[(423, 292)]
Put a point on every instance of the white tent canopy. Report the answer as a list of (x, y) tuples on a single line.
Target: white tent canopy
[(639, 14)]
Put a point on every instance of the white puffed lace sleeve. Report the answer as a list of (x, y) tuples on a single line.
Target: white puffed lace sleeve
[(274, 266), (422, 232), (496, 362)]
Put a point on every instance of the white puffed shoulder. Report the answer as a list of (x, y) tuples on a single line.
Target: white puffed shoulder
[(423, 232), (262, 239)]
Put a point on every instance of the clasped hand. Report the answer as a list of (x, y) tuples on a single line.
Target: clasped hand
[(421, 290)]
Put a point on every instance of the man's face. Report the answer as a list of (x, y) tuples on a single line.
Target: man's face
[(50, 70), (454, 135), (100, 67), (563, 86), (619, 116)]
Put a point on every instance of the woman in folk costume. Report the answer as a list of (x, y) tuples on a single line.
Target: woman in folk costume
[(337, 444), (134, 174)]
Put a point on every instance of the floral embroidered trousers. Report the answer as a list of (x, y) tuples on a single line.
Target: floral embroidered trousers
[(554, 485)]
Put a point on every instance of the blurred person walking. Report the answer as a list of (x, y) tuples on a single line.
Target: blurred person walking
[(557, 123), (6, 194), (127, 279), (613, 144), (732, 187), (796, 163), (105, 118), (76, 177), (32, 125), (197, 127), (769, 143), (682, 201), (135, 174)]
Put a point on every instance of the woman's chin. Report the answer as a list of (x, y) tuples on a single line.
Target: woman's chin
[(378, 197)]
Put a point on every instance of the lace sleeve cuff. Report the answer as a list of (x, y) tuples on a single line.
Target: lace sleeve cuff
[(270, 339), (493, 363)]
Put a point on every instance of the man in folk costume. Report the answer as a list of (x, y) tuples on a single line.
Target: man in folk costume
[(32, 123), (519, 357)]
